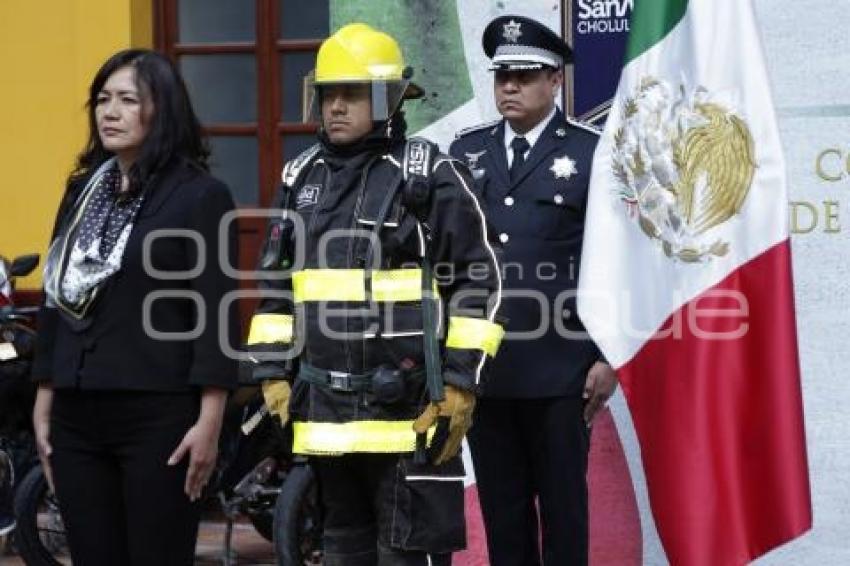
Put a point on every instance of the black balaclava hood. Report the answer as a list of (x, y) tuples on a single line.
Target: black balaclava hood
[(383, 136)]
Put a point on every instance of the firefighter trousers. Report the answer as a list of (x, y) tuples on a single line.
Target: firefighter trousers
[(384, 510)]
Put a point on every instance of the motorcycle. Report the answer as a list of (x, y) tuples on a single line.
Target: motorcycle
[(298, 519), (17, 393)]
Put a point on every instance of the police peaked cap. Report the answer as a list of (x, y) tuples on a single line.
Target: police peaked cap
[(516, 42)]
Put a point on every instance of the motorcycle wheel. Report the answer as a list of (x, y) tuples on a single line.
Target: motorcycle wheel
[(297, 522), (40, 534)]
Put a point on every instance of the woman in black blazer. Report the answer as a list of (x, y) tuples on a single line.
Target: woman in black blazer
[(131, 361)]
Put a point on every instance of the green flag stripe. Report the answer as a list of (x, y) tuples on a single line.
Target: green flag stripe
[(651, 21)]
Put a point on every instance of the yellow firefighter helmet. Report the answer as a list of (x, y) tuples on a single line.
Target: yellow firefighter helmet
[(358, 53)]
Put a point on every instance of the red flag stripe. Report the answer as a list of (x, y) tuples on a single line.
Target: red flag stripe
[(720, 422)]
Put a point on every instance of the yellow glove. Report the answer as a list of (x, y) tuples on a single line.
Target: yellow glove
[(457, 406), (276, 395)]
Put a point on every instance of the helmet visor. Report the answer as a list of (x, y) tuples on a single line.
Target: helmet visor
[(385, 97)]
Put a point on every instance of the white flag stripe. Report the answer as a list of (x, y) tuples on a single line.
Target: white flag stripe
[(714, 47)]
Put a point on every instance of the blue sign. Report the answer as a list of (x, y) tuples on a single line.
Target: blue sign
[(597, 30)]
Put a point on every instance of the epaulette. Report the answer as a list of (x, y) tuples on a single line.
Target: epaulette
[(583, 126), (293, 168), (477, 128)]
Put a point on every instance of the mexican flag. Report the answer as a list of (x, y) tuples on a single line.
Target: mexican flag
[(686, 283)]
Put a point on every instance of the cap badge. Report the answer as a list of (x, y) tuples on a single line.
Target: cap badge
[(563, 167), (511, 31)]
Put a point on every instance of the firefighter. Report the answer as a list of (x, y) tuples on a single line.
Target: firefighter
[(381, 286)]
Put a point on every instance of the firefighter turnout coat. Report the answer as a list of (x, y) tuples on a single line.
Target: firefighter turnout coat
[(344, 296)]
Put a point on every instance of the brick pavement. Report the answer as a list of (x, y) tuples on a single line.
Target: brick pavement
[(250, 548)]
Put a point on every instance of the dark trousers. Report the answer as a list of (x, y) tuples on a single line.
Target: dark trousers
[(7, 472), (380, 509), (121, 503), (528, 451)]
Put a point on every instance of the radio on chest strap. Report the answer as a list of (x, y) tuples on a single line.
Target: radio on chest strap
[(417, 165)]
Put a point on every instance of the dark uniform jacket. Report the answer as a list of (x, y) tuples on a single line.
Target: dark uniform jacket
[(113, 351), (336, 329), (538, 222)]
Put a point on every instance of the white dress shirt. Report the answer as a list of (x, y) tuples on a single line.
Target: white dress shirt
[(530, 136)]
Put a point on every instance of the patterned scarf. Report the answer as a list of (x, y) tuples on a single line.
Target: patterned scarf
[(91, 246)]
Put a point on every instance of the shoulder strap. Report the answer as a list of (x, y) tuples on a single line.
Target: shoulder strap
[(477, 128), (419, 157), (584, 126), (292, 170), (413, 179)]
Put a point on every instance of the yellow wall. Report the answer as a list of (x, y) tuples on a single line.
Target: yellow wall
[(49, 52)]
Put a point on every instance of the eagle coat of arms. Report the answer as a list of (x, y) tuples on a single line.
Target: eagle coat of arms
[(684, 164)]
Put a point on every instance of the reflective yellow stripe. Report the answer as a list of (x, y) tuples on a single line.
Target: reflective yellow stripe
[(350, 285), (267, 328), (474, 334), (356, 436), (397, 285), (329, 285)]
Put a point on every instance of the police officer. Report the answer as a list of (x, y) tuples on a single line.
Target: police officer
[(378, 402), (530, 435)]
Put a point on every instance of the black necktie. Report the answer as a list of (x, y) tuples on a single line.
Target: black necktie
[(520, 145)]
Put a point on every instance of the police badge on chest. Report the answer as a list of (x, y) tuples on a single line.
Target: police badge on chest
[(308, 195)]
